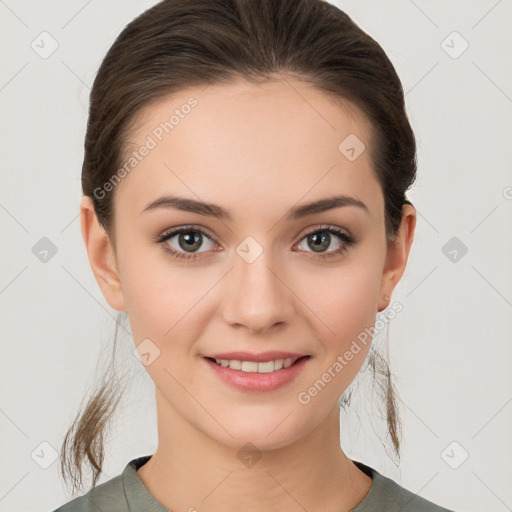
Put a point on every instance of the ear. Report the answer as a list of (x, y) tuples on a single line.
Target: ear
[(397, 256), (101, 255)]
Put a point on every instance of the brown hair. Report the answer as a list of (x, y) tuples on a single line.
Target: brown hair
[(181, 43)]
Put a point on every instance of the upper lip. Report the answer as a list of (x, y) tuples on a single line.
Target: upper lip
[(261, 357)]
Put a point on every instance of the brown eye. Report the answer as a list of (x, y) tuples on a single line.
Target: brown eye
[(188, 241), (321, 239)]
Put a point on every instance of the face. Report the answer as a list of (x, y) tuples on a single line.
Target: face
[(261, 279)]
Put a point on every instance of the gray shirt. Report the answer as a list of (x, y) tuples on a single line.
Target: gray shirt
[(127, 493)]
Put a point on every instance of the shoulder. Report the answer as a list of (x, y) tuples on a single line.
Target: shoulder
[(386, 495), (404, 500), (106, 496)]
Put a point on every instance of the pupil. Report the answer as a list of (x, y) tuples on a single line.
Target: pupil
[(321, 239), (190, 240)]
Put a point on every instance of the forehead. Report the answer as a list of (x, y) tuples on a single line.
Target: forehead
[(264, 144)]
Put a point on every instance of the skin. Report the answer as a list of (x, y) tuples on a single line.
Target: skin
[(257, 150)]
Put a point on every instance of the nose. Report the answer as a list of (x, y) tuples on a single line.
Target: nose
[(257, 295)]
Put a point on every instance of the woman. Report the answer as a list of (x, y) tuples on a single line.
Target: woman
[(244, 180)]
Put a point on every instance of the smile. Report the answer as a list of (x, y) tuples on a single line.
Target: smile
[(256, 367), (247, 375)]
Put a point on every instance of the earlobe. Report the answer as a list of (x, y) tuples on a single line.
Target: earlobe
[(397, 255), (101, 255)]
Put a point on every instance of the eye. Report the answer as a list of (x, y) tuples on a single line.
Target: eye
[(321, 238), (188, 238)]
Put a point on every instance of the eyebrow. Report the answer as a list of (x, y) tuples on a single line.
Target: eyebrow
[(214, 210)]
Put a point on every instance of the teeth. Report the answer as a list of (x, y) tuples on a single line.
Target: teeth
[(254, 367)]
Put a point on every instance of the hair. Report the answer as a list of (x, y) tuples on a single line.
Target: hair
[(182, 43)]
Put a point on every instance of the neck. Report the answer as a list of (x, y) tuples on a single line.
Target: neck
[(190, 470)]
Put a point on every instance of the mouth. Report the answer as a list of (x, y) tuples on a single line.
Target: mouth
[(261, 376), (269, 366)]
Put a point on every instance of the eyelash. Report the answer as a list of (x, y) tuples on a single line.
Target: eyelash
[(347, 240)]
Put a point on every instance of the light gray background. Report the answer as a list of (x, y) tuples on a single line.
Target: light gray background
[(450, 348)]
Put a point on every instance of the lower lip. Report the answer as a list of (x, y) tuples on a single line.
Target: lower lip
[(252, 381)]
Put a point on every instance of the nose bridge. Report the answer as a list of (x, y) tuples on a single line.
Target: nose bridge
[(258, 298)]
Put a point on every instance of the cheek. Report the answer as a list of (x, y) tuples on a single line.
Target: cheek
[(354, 307), (166, 304), (343, 309), (345, 298), (161, 305), (156, 296)]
